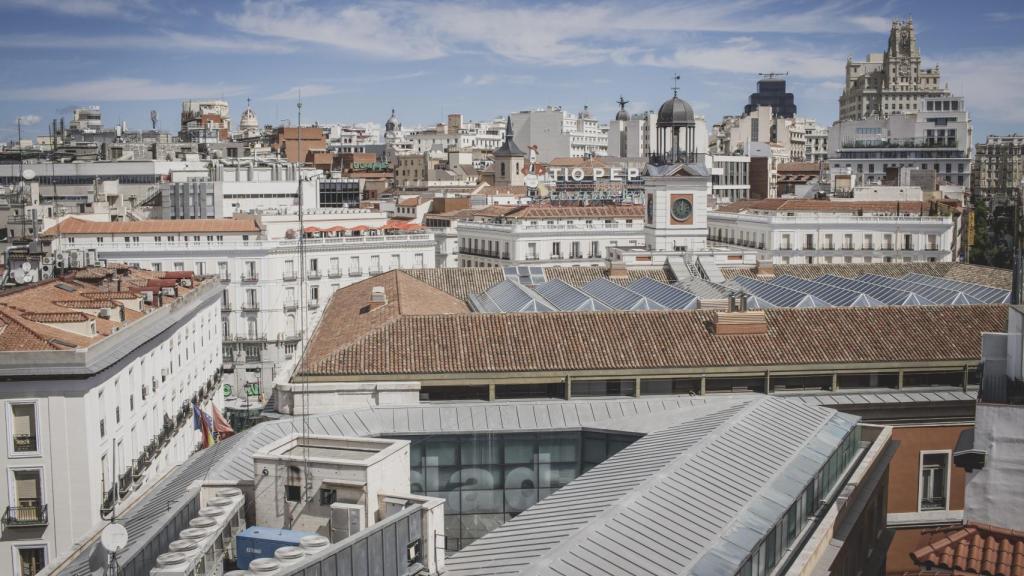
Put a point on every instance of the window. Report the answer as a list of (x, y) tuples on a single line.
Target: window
[(934, 481), (22, 416), (31, 560), (293, 485), (328, 496)]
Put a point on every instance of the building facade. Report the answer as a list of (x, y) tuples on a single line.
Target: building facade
[(268, 293), (101, 369), (834, 232), (999, 167), (558, 133), (892, 82)]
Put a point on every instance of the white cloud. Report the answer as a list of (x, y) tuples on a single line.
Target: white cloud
[(750, 56), (560, 33), (158, 41), (488, 79), (121, 89), (305, 91), (117, 8), (990, 82), (28, 120), (1005, 16)]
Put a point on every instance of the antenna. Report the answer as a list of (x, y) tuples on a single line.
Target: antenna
[(304, 311), (675, 85)]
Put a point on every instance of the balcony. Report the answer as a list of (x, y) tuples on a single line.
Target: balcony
[(289, 276), (290, 305), (334, 273), (250, 277), (225, 307), (313, 275), (18, 516), (374, 271), (355, 272), (224, 277), (313, 304), (250, 306), (932, 247), (25, 443)]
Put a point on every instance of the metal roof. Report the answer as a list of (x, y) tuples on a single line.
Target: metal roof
[(693, 498)]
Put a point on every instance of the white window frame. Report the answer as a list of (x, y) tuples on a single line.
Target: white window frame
[(11, 453), (11, 483), (920, 467), (16, 555)]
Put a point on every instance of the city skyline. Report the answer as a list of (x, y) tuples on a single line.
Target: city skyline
[(498, 59)]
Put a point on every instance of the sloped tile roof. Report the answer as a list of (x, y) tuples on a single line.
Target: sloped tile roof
[(975, 549), (79, 226), (984, 275)]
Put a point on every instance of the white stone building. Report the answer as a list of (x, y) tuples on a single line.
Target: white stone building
[(937, 136), (265, 283), (100, 370), (892, 82), (547, 235), (558, 133), (839, 232)]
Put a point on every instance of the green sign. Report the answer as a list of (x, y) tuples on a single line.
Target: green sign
[(252, 389), (227, 390)]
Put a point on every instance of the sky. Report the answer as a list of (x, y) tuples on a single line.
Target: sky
[(355, 61)]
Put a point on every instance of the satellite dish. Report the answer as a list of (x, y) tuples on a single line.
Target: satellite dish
[(114, 538), (26, 267), (28, 174)]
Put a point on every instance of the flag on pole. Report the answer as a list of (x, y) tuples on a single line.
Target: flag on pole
[(220, 425), (203, 422)]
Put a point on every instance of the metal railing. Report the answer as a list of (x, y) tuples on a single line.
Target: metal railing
[(34, 515), (253, 277), (290, 305), (250, 306), (289, 276)]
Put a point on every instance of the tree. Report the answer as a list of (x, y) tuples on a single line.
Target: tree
[(993, 233)]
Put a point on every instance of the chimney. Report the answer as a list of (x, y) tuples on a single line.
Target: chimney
[(618, 271), (377, 298), (764, 268), (746, 323)]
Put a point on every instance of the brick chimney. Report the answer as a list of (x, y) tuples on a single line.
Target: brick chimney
[(618, 271), (745, 323), (764, 268), (378, 298)]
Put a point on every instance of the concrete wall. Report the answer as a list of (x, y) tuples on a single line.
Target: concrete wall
[(994, 493)]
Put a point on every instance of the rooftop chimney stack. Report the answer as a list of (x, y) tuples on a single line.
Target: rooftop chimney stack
[(377, 297)]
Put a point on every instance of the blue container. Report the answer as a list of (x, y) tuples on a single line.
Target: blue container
[(259, 542)]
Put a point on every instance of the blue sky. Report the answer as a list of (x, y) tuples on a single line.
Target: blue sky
[(354, 61)]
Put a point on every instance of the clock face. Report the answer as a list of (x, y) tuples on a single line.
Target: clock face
[(682, 209)]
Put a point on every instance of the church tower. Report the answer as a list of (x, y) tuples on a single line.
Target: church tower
[(508, 161)]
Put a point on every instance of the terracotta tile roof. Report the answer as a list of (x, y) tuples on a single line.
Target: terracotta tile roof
[(579, 275), (79, 226), (974, 549), (30, 314), (458, 282), (495, 210), (798, 167), (349, 317), (804, 205), (55, 317), (984, 275), (409, 343), (414, 201)]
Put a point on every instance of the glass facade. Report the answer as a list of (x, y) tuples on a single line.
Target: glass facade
[(487, 479), (801, 515)]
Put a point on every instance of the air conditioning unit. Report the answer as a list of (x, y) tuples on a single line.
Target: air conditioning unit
[(186, 282), (167, 291), (104, 313), (49, 260), (147, 296), (91, 259), (75, 259), (346, 520), (46, 271)]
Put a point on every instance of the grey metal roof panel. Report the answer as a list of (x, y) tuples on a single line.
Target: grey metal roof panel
[(671, 498)]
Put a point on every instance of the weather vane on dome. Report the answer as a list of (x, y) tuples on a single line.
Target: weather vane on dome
[(675, 85)]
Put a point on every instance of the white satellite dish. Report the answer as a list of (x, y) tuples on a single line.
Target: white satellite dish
[(28, 174), (114, 538)]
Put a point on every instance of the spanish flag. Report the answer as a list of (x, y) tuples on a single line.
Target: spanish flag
[(203, 422)]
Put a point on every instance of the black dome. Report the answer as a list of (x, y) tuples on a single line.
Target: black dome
[(675, 112), (622, 115)]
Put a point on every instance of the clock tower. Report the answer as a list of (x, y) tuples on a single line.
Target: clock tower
[(676, 206)]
